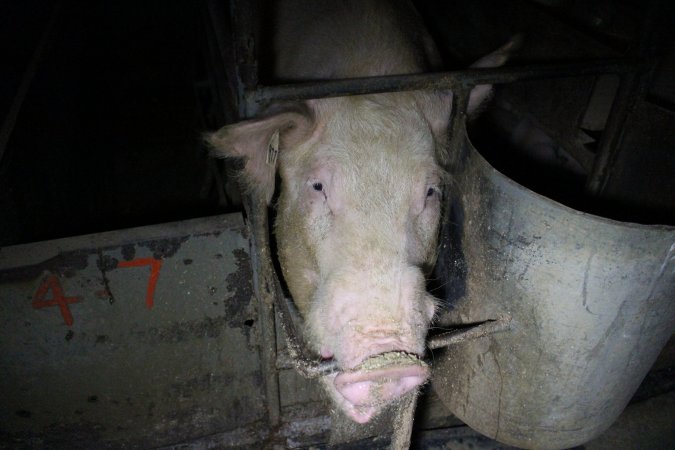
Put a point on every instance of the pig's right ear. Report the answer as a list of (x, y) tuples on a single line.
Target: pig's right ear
[(481, 93), (257, 141)]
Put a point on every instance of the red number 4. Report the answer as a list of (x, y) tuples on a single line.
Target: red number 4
[(51, 283)]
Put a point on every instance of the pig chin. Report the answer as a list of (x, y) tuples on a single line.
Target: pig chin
[(376, 346)]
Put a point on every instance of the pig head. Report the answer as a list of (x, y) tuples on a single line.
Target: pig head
[(359, 205)]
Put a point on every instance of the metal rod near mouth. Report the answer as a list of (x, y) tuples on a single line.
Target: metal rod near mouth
[(464, 334), (310, 369), (314, 370)]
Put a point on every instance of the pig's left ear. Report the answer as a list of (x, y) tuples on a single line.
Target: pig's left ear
[(482, 92), (258, 142)]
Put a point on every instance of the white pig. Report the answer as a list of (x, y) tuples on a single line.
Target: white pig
[(361, 182)]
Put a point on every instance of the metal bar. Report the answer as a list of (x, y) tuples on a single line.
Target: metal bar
[(221, 50), (403, 421), (475, 332), (243, 14), (307, 367), (311, 369), (626, 97), (631, 89), (262, 95), (43, 45), (456, 127), (263, 279)]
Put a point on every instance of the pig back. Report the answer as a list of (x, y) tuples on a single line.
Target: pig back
[(349, 39)]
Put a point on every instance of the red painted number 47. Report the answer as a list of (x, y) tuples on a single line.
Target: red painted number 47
[(51, 283)]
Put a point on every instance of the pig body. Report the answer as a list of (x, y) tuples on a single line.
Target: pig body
[(322, 40), (361, 186)]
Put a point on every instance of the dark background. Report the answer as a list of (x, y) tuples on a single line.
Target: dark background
[(103, 104), (108, 134)]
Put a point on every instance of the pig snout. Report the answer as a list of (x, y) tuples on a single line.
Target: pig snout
[(373, 385), (376, 335)]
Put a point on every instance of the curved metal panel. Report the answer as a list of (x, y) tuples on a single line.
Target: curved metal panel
[(591, 302)]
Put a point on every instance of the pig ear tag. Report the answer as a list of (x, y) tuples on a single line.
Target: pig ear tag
[(273, 149)]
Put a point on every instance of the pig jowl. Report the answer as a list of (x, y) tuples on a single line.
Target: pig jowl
[(360, 195)]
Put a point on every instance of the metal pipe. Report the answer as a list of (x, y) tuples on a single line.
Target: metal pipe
[(41, 49), (263, 277), (632, 88), (262, 95), (460, 335), (243, 14), (314, 369), (456, 127), (612, 134)]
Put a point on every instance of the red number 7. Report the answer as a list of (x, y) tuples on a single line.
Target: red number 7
[(155, 265)]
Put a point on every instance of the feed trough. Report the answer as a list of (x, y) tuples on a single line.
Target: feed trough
[(590, 301)]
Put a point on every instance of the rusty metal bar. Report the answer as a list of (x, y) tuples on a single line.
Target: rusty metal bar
[(306, 366), (310, 369), (262, 95), (242, 14), (475, 332), (456, 128), (263, 287)]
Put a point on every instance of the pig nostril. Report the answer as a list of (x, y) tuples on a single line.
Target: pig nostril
[(378, 387)]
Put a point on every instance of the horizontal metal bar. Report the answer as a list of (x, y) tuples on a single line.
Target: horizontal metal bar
[(314, 369), (465, 334), (308, 369), (262, 95)]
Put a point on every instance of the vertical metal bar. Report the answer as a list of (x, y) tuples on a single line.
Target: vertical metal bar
[(626, 97), (264, 289), (221, 53), (243, 14), (632, 88), (31, 69), (403, 422), (456, 127)]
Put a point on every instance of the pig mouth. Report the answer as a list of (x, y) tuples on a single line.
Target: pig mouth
[(378, 381)]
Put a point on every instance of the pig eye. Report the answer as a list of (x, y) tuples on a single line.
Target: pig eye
[(318, 187), (432, 190)]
